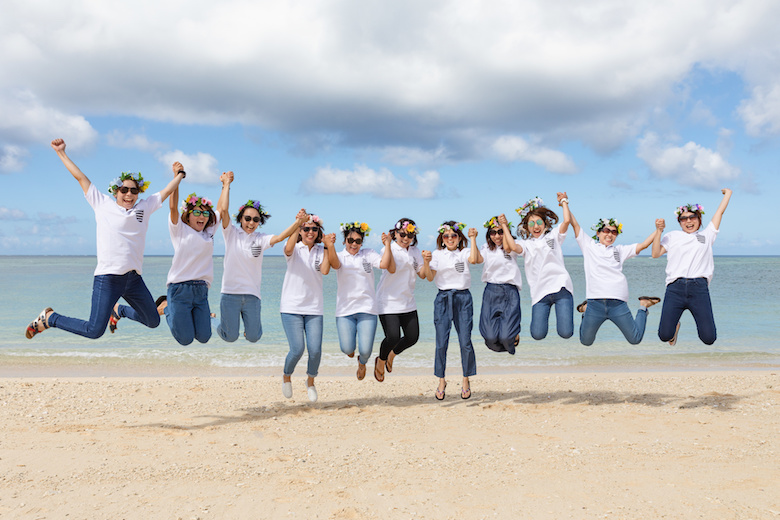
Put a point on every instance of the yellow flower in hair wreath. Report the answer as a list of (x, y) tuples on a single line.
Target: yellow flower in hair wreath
[(410, 228)]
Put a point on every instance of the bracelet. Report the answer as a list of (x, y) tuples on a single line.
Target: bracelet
[(183, 173), (565, 199)]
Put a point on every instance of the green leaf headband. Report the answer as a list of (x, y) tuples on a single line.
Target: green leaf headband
[(194, 200), (606, 222), (528, 207), (362, 227), (693, 208), (128, 176), (493, 222), (444, 227), (254, 204)]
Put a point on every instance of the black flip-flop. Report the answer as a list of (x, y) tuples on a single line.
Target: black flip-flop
[(654, 299), (581, 307)]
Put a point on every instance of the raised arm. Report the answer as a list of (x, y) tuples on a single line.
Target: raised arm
[(426, 272), (330, 252), (568, 218), (178, 175), (223, 204), (509, 242), (329, 241), (658, 249), (300, 219), (59, 146), (172, 204), (475, 257), (649, 240), (388, 260), (716, 218)]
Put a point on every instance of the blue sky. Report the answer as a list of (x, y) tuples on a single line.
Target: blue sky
[(372, 111)]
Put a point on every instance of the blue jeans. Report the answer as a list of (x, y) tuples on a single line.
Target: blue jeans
[(564, 315), (692, 294), (357, 328), (617, 312), (106, 291), (499, 319), (233, 307), (188, 313), (304, 331), (454, 307)]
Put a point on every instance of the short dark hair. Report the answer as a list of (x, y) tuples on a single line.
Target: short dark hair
[(400, 223), (319, 232), (263, 215), (185, 217)]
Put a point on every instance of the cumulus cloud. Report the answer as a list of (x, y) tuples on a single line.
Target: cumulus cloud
[(12, 158), (502, 68), (135, 141), (12, 214), (690, 164), (201, 167), (380, 183), (513, 148), (761, 113)]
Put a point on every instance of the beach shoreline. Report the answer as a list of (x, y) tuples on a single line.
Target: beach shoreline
[(675, 444)]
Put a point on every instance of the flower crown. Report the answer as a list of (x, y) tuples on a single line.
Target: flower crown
[(254, 204), (316, 219), (406, 226), (493, 222), (606, 222), (444, 227), (528, 207), (128, 176), (362, 227), (194, 200), (693, 208)]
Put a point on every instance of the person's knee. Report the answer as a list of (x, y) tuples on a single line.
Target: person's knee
[(708, 339), (253, 338), (586, 341), (538, 334)]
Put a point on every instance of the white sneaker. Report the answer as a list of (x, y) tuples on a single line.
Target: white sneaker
[(287, 389), (312, 394)]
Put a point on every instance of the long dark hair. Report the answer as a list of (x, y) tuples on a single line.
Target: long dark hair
[(491, 245), (462, 241), (548, 215)]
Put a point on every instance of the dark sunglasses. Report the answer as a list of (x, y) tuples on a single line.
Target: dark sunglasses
[(496, 232), (448, 236), (403, 234), (357, 241), (610, 231), (198, 212), (307, 229), (247, 218), (689, 217), (125, 189)]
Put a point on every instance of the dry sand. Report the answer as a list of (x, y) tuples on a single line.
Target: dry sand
[(605, 445)]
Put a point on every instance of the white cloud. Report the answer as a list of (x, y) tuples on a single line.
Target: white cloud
[(12, 214), (201, 167), (11, 158), (406, 156), (513, 148), (135, 141), (690, 164), (379, 183), (761, 113)]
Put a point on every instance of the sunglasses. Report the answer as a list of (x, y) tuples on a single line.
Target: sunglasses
[(199, 212), (307, 229), (247, 218), (125, 189), (539, 222), (403, 234), (610, 231), (689, 217), (449, 236), (357, 241), (496, 232)]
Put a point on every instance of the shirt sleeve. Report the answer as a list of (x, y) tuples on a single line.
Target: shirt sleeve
[(434, 260), (627, 252), (153, 203)]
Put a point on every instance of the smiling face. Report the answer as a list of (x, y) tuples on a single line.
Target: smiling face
[(689, 222), (404, 239), (357, 242), (127, 200), (607, 235), (308, 233), (450, 239), (535, 225), (496, 235), (197, 221), (251, 225)]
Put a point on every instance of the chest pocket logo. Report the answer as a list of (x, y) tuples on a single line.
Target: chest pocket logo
[(460, 267), (616, 255), (317, 263), (551, 243), (701, 239), (415, 265), (139, 215), (256, 249), (367, 267), (507, 256)]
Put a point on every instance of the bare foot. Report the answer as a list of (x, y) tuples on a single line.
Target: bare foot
[(390, 358), (648, 301), (361, 371)]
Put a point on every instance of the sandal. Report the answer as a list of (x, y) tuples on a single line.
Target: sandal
[(112, 321), (441, 392), (673, 341), (581, 307), (361, 371), (32, 328), (652, 299), (389, 363), (379, 377), (465, 393)]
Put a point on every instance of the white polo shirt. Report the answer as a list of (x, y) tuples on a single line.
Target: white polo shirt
[(395, 291), (689, 255), (355, 277), (452, 269), (544, 267), (302, 287), (121, 233), (193, 253), (604, 276), (500, 267), (243, 264)]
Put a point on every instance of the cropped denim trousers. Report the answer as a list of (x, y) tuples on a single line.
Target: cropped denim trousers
[(359, 330), (692, 294), (234, 308), (188, 314), (564, 315), (454, 307), (616, 311), (499, 319), (304, 332)]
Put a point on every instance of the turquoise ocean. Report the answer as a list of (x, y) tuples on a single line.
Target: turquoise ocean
[(744, 292)]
